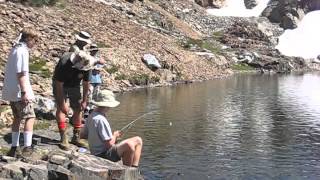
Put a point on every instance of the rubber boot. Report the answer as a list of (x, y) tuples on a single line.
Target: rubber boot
[(64, 144), (76, 139)]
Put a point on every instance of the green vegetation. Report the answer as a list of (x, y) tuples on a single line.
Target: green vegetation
[(4, 150), (38, 66), (155, 79), (4, 108), (39, 3), (217, 35), (113, 69), (242, 67), (207, 44), (121, 77), (141, 79), (102, 45), (41, 125)]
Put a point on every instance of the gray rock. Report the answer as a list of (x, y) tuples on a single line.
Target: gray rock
[(68, 165), (250, 4), (44, 108), (289, 21), (151, 61)]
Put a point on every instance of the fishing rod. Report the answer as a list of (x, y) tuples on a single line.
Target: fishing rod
[(128, 126)]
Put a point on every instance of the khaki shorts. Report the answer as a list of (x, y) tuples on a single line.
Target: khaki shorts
[(71, 93), (21, 111), (111, 154)]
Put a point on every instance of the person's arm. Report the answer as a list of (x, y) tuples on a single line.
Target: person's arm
[(109, 143), (22, 79), (84, 132), (105, 133)]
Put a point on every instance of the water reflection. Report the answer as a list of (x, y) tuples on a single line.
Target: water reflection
[(246, 126)]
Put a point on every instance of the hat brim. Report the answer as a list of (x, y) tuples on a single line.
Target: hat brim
[(88, 41), (106, 104)]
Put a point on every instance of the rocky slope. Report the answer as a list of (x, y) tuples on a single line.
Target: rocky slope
[(124, 31)]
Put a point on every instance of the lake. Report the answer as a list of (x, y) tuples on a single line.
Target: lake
[(241, 127)]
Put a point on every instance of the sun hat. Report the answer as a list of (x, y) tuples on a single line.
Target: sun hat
[(82, 60), (98, 67), (93, 47), (105, 98), (83, 36)]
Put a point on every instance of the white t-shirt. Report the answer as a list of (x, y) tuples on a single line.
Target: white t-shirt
[(18, 62)]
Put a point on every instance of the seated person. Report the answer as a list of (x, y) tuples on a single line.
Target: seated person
[(102, 142)]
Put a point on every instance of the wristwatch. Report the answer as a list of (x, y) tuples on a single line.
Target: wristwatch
[(23, 93)]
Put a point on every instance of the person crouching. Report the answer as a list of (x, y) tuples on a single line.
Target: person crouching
[(102, 142)]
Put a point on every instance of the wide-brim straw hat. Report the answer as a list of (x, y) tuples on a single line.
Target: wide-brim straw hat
[(83, 36), (93, 47), (82, 60), (105, 98)]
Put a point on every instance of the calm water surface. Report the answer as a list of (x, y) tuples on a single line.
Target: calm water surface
[(242, 127)]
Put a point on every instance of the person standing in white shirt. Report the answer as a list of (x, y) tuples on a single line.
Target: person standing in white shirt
[(18, 91)]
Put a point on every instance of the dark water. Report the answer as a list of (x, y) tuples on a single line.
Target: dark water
[(243, 127)]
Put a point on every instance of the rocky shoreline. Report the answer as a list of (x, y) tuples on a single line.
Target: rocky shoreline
[(49, 162)]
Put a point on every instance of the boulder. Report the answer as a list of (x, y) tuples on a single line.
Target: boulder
[(151, 61), (289, 21), (212, 3), (250, 4)]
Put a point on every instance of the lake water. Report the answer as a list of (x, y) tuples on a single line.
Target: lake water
[(242, 127)]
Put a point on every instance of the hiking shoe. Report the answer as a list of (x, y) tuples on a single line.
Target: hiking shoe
[(14, 152), (64, 143), (76, 139), (27, 151)]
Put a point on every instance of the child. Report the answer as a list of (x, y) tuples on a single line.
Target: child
[(95, 79), (17, 89), (102, 142)]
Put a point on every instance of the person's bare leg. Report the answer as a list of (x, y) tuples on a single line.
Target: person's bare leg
[(126, 150), (76, 118), (62, 125), (28, 126), (15, 125), (137, 152)]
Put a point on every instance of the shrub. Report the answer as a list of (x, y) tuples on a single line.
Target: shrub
[(217, 35), (39, 3), (38, 66), (102, 45), (121, 77), (113, 69), (155, 79), (41, 125), (141, 79), (208, 44), (242, 67)]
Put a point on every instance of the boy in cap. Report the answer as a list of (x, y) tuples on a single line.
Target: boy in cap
[(72, 68), (18, 91), (102, 142), (95, 78)]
